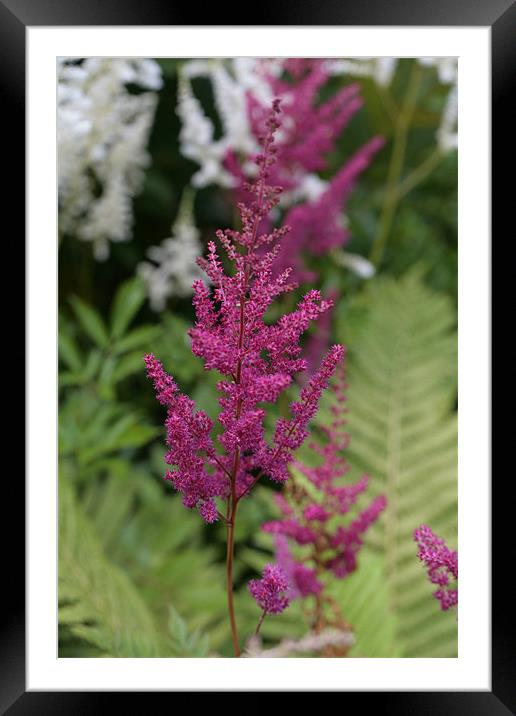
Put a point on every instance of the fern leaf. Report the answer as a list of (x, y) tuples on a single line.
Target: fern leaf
[(98, 602), (402, 387), (364, 599)]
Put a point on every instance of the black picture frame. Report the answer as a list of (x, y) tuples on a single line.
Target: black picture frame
[(15, 17)]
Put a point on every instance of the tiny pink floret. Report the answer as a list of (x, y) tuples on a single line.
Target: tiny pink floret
[(441, 564), (269, 591)]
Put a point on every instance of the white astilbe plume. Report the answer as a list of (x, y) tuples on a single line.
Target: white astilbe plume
[(197, 139), (309, 644), (380, 69), (102, 133), (231, 81), (172, 268)]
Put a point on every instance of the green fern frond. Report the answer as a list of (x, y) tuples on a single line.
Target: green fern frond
[(98, 603), (364, 600), (160, 545), (402, 373)]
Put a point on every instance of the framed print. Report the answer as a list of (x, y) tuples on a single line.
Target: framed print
[(258, 267)]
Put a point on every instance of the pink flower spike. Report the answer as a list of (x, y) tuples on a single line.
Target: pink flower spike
[(268, 592), (257, 360), (309, 134), (441, 564), (311, 539)]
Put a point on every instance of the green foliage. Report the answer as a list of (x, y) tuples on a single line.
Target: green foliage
[(98, 603), (139, 575), (128, 301), (90, 321), (148, 532), (135, 530), (176, 350), (364, 600), (92, 430), (93, 425), (117, 352), (402, 392), (185, 643)]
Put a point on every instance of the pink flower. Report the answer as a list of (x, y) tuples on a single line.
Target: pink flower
[(348, 540), (302, 579), (257, 360), (318, 341), (334, 545), (441, 563), (268, 592), (316, 513), (309, 135), (189, 442), (317, 226)]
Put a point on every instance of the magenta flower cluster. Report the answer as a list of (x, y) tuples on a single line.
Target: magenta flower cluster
[(269, 591), (312, 519), (441, 563), (309, 134), (257, 360), (318, 341), (317, 226)]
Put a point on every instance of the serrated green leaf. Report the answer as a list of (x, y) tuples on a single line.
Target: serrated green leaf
[(127, 365), (128, 300), (183, 642), (142, 336), (125, 432), (69, 352), (91, 322), (92, 366)]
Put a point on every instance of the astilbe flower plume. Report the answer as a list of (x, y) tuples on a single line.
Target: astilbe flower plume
[(318, 225), (309, 134), (312, 541), (257, 361), (441, 563), (314, 119)]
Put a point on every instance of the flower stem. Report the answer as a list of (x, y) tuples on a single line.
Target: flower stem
[(233, 498), (230, 528), (260, 622)]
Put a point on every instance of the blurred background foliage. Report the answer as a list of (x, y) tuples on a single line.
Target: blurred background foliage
[(139, 575)]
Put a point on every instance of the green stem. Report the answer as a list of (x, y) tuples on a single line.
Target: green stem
[(402, 125), (388, 102), (419, 174)]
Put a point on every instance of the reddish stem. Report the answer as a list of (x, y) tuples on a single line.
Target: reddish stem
[(260, 622), (229, 579), (233, 499)]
